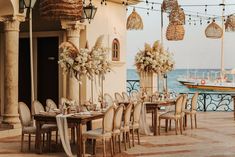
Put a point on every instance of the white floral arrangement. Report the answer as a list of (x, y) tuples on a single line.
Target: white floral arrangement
[(76, 63), (84, 62), (99, 54), (154, 59)]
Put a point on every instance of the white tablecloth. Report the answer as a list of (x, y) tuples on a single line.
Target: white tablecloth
[(63, 131)]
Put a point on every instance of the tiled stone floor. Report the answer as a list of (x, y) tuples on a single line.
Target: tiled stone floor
[(215, 137)]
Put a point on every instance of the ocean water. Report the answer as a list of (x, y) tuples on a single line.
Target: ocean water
[(173, 84)]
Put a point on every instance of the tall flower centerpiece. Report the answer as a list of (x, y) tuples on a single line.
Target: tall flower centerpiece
[(153, 60), (76, 63)]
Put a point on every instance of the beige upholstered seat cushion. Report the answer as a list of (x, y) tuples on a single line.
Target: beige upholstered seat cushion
[(29, 130), (49, 126), (170, 115), (97, 133), (190, 112), (135, 126)]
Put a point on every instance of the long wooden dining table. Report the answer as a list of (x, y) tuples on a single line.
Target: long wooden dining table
[(77, 121), (154, 106)]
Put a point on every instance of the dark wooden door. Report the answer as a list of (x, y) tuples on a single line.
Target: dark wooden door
[(24, 72), (47, 65)]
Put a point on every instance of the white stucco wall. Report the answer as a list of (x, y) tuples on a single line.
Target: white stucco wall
[(110, 20)]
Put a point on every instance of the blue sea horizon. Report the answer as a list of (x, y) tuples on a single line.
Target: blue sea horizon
[(173, 84)]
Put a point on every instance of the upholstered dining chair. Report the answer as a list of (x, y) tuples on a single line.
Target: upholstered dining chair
[(37, 108), (27, 125), (126, 125), (108, 100), (101, 133), (117, 124), (125, 96), (176, 116), (193, 111), (184, 103), (50, 105), (136, 122), (118, 97), (134, 96)]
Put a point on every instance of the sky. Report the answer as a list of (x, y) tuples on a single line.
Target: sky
[(195, 51)]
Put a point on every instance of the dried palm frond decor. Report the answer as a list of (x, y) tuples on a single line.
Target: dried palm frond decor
[(177, 16), (168, 5), (230, 24), (134, 21), (175, 32), (61, 9), (213, 31)]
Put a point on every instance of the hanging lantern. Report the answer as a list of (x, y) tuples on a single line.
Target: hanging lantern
[(230, 24), (168, 5), (61, 9), (177, 16), (175, 32), (214, 31), (134, 21)]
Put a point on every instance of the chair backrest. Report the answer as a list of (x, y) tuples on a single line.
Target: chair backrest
[(127, 115), (50, 105), (37, 107), (184, 102), (125, 97), (135, 96), (25, 116), (108, 100), (118, 97), (108, 120), (194, 101), (178, 105), (136, 112), (117, 121)]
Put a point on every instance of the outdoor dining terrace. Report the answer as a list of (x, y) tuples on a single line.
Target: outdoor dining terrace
[(214, 137)]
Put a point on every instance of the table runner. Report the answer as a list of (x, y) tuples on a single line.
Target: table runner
[(63, 131), (144, 127)]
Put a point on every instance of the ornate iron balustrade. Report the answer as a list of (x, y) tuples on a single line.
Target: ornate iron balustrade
[(207, 101)]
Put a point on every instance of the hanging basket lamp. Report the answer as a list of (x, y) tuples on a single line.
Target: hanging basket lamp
[(134, 21), (214, 31), (61, 9), (230, 24), (175, 32), (168, 5), (177, 16)]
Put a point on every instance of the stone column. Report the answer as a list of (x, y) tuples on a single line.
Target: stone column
[(73, 35), (11, 55)]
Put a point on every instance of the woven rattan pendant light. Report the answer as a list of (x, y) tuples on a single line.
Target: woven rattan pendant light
[(134, 21), (168, 5), (177, 16), (230, 24), (61, 9), (175, 32), (214, 31)]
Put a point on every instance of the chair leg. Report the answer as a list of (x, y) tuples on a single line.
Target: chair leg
[(191, 117), (124, 137), (185, 120), (170, 125), (114, 143), (22, 142), (56, 137), (104, 150), (195, 117), (176, 126), (84, 147), (181, 126), (29, 140), (129, 138), (159, 127), (166, 128), (138, 133), (111, 146), (94, 147), (133, 138), (119, 139)]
